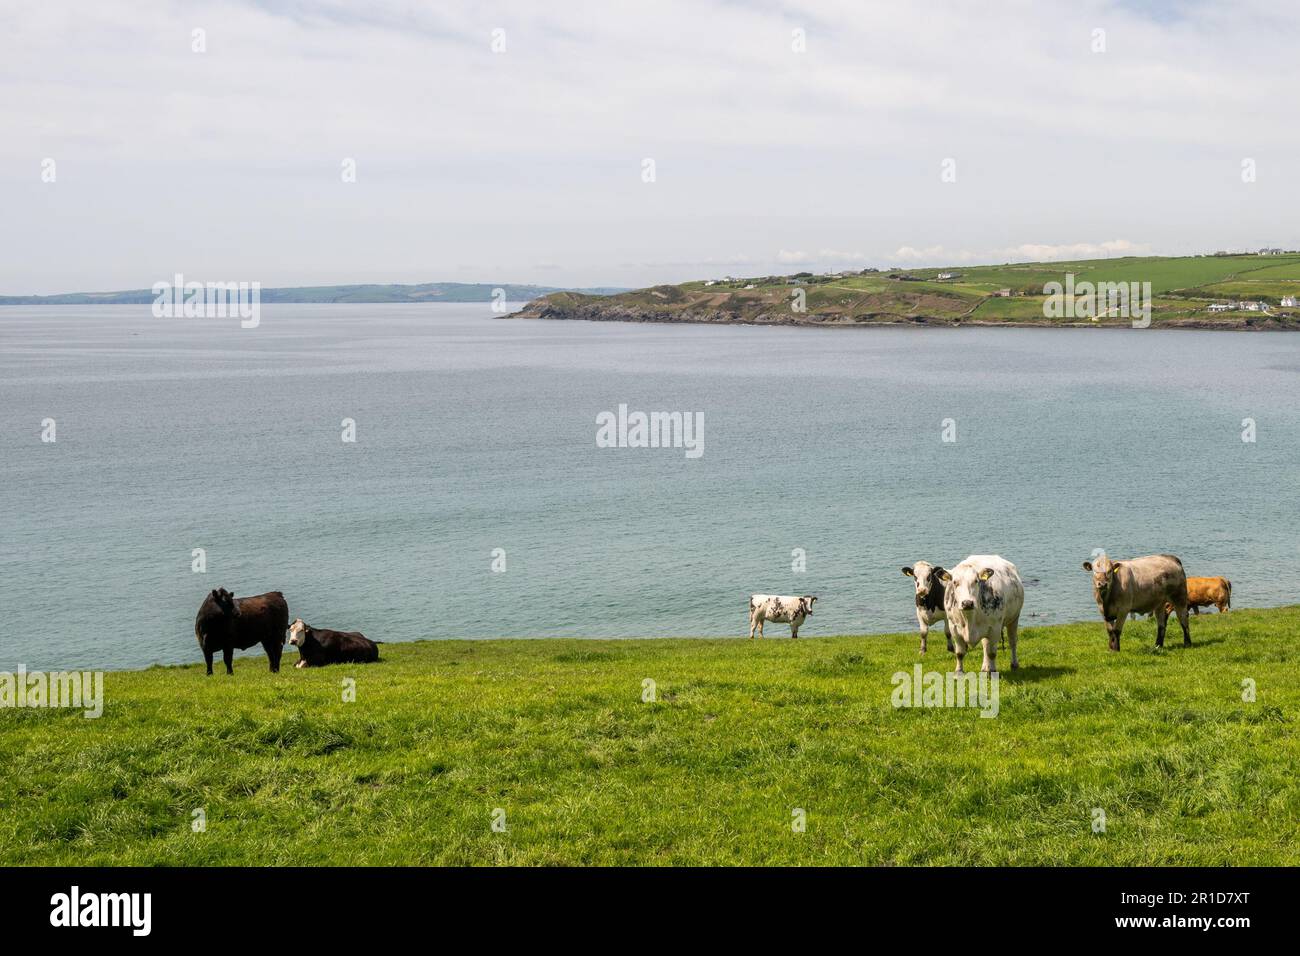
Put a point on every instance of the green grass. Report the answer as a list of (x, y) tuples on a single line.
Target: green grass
[(555, 733)]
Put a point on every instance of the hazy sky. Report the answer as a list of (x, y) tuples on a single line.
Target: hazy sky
[(526, 165)]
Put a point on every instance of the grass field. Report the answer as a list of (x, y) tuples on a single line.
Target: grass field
[(555, 733)]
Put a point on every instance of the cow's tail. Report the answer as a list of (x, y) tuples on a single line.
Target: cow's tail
[(1229, 584)]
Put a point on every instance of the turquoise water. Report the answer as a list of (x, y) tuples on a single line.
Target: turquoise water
[(476, 433)]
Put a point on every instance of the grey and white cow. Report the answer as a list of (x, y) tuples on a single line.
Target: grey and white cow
[(778, 607), (928, 579), (983, 595), (1154, 584)]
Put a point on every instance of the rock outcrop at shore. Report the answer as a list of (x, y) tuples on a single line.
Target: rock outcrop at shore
[(596, 311)]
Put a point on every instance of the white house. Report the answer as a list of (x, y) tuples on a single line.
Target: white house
[(1219, 307), (1289, 301)]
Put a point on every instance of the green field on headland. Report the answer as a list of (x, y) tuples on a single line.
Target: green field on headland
[(554, 741), (1219, 292)]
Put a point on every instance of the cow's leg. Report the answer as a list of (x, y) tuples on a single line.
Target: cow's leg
[(794, 628), (1182, 619), (1114, 629), (947, 633), (960, 647), (273, 651), (1162, 618), (761, 621), (925, 630), (1013, 627), (1196, 609), (207, 656), (228, 657), (990, 646), (753, 621)]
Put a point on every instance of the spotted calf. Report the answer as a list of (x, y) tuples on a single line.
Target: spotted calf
[(772, 607)]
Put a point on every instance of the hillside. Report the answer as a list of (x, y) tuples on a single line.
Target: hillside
[(1182, 289), (741, 734), (426, 292)]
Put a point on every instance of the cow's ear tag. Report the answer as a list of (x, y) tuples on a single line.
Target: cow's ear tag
[(1114, 569), (986, 574), (946, 577)]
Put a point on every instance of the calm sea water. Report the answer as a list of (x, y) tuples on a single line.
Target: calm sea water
[(476, 433)]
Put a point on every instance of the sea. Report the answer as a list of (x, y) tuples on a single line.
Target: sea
[(440, 471)]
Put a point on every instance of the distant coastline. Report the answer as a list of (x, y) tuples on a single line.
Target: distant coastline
[(359, 294), (1247, 292)]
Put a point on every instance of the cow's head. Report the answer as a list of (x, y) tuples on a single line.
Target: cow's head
[(224, 600), (297, 632), (927, 577), (806, 603), (1103, 571), (965, 586)]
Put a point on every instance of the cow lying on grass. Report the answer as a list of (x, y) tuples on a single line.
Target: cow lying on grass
[(772, 607), (318, 647), (226, 623)]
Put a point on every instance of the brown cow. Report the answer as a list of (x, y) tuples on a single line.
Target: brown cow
[(1203, 592), (1154, 584), (225, 622)]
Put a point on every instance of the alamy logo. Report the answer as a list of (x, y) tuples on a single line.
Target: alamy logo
[(975, 689), (212, 300), (1089, 300), (103, 909), (651, 430), (78, 689)]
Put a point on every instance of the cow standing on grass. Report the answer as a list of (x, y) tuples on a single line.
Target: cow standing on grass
[(928, 579), (983, 595), (1204, 592), (1154, 584), (773, 607), (226, 623)]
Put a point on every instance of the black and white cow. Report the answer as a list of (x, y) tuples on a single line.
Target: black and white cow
[(773, 607), (928, 579), (984, 594)]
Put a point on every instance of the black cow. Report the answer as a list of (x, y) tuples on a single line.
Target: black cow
[(226, 622), (318, 647)]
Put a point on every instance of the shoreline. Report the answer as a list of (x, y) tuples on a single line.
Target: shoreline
[(702, 640), (552, 314)]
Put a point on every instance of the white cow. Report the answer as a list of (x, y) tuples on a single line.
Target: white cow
[(774, 607), (983, 595), (929, 599)]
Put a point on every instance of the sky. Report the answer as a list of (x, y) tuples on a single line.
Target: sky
[(627, 144)]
